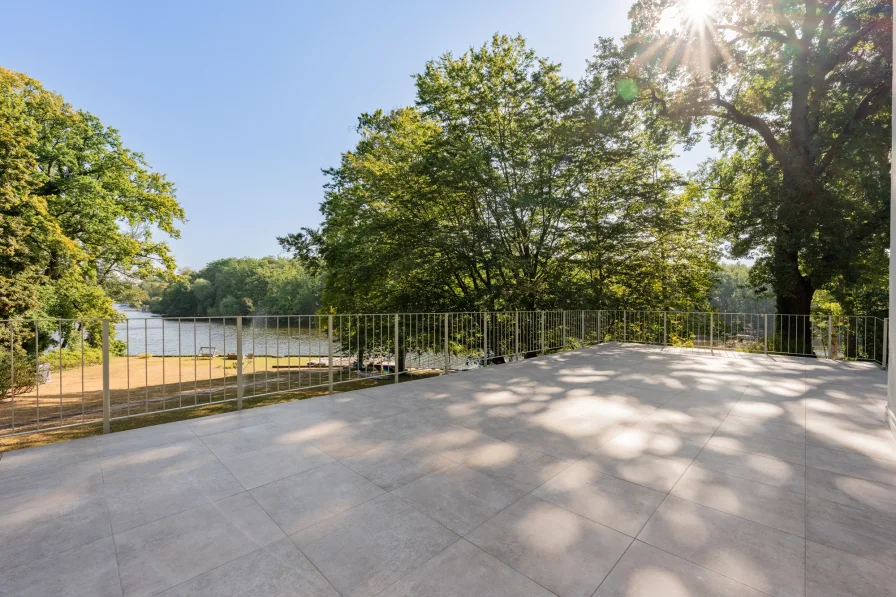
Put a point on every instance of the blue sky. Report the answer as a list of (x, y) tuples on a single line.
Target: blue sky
[(242, 103)]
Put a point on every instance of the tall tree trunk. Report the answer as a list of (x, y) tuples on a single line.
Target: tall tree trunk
[(793, 298)]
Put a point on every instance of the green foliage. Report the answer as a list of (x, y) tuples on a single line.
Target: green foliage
[(680, 342), (798, 97), (239, 286), (509, 187), (77, 208), (20, 366), (733, 292)]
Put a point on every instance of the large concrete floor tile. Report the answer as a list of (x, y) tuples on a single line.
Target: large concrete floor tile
[(788, 451), (136, 502), (86, 571), (342, 440), (563, 552), (167, 552), (753, 467), (785, 412), (570, 438), (464, 570), (276, 570), (833, 573), (689, 424), (52, 487), (754, 554), (870, 535), (273, 463), (30, 460), (364, 550), (29, 535), (645, 571), (145, 437), (234, 442), (613, 502), (873, 441), (157, 462), (752, 428), (458, 497), (852, 464), (302, 500), (227, 421), (392, 468), (508, 462), (654, 461), (771, 506), (851, 491)]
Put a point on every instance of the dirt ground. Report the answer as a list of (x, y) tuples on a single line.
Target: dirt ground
[(39, 438), (145, 385)]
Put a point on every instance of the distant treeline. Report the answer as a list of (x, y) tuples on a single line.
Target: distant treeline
[(236, 286)]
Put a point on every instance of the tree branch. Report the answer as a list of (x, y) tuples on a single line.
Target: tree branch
[(775, 35), (839, 54), (865, 107), (755, 123)]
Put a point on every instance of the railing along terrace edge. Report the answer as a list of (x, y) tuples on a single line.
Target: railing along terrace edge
[(102, 384)]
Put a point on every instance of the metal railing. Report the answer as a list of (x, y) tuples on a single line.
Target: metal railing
[(61, 373)]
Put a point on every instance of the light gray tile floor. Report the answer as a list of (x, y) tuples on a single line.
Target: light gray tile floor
[(612, 471)]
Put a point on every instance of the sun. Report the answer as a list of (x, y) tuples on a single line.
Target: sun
[(686, 15)]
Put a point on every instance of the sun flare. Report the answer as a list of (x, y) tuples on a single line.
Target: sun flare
[(686, 14)]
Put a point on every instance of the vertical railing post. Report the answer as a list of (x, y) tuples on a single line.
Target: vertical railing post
[(486, 315), (395, 358), (240, 380), (665, 327), (765, 334), (563, 327), (831, 336), (886, 338), (600, 339), (330, 352), (543, 345), (625, 326), (107, 402), (583, 328), (447, 355), (516, 335), (711, 321)]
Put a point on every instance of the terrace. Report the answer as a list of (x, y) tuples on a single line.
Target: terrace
[(612, 470)]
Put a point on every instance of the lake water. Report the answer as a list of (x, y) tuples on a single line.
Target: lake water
[(145, 333)]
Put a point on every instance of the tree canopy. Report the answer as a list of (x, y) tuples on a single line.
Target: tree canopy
[(79, 209), (508, 186), (797, 95), (238, 286)]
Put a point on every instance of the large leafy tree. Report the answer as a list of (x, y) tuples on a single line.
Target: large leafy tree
[(798, 97), (506, 187), (79, 209)]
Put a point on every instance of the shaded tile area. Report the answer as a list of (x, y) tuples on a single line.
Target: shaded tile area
[(459, 498), (89, 570), (613, 502), (302, 500), (167, 552), (645, 571), (463, 570), (833, 573), (613, 470), (366, 549), (563, 552), (753, 554), (277, 570)]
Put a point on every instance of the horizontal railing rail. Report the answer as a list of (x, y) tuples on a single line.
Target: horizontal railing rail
[(67, 372)]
